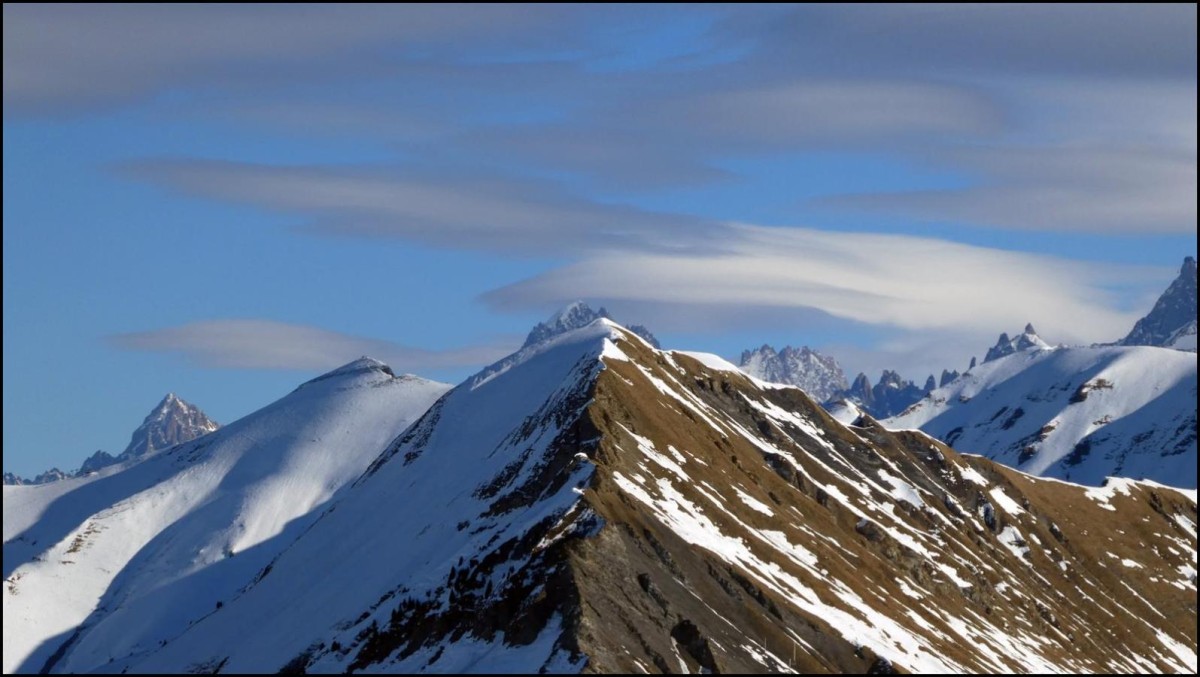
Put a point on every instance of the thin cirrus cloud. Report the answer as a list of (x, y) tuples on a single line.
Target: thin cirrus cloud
[(1146, 190), (899, 282), (267, 344), (64, 59), (623, 254), (495, 213)]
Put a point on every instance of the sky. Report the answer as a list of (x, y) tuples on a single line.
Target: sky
[(224, 201)]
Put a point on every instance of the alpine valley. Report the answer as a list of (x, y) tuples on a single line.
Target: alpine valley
[(592, 503)]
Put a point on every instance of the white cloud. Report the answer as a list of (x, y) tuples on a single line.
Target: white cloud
[(266, 344), (901, 282)]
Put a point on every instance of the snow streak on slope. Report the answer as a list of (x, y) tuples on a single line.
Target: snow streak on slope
[(140, 552), (1081, 414), (591, 502)]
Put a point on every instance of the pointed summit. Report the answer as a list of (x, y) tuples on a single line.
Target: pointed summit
[(1007, 346), (1172, 321), (172, 422), (575, 316)]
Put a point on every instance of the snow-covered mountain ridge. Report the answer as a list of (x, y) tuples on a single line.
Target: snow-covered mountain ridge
[(593, 503), (1078, 413), (114, 549)]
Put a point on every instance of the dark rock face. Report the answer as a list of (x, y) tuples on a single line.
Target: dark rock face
[(889, 397), (947, 377), (1172, 314)]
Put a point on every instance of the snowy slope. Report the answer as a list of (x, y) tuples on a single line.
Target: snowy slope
[(591, 502), (155, 544), (436, 494), (1081, 413)]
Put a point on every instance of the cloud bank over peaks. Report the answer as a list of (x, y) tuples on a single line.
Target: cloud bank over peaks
[(903, 282)]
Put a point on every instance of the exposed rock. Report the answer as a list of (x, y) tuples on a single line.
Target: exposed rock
[(1173, 319)]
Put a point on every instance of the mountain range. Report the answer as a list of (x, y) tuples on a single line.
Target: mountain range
[(1072, 412), (1081, 413), (822, 378), (589, 503)]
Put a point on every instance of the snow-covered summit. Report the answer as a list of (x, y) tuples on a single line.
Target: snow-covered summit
[(1024, 341), (363, 365), (1173, 319), (575, 316)]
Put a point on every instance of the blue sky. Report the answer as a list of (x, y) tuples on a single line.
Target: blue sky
[(225, 201)]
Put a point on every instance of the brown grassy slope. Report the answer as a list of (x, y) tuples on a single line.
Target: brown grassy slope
[(686, 572)]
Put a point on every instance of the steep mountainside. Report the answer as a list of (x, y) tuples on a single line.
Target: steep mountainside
[(142, 550), (594, 504), (818, 375), (1081, 413), (1172, 321)]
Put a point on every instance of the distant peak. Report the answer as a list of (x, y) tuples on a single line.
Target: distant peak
[(577, 315), (1189, 265), (172, 422), (1007, 346), (170, 402), (575, 309)]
